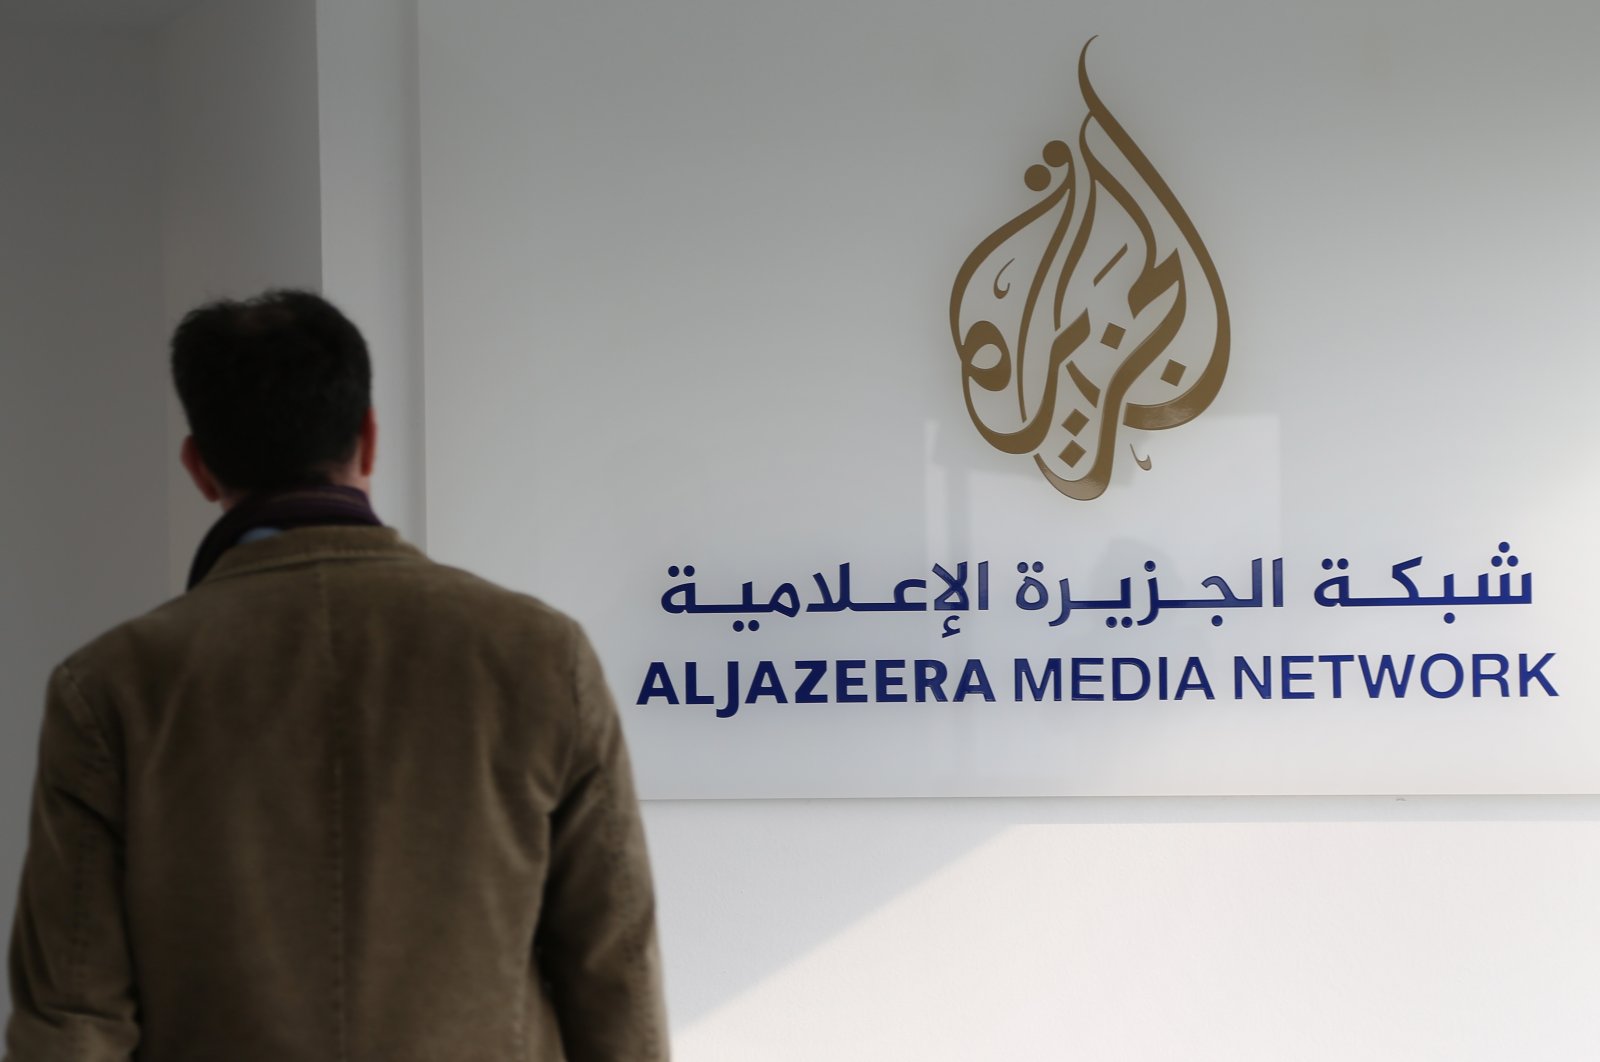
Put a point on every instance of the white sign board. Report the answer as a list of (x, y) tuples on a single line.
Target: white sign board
[(919, 401)]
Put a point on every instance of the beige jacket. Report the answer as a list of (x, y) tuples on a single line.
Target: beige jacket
[(338, 803)]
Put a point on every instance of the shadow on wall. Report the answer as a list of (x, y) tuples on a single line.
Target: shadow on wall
[(848, 927)]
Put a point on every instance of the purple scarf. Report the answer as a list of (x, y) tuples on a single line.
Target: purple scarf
[(301, 506)]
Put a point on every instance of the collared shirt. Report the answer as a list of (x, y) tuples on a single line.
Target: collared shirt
[(259, 532)]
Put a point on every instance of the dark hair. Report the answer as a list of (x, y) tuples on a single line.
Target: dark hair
[(274, 387)]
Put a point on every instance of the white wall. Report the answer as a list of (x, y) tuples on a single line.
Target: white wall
[(241, 182), (600, 185), (290, 161), (1141, 930), (372, 226), (82, 433)]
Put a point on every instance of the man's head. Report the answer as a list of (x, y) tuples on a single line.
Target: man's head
[(278, 393)]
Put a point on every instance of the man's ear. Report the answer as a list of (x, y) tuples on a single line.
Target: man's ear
[(189, 455), (369, 441)]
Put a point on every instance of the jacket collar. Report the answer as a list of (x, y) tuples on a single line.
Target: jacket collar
[(304, 545)]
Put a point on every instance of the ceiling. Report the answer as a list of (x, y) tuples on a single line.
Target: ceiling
[(91, 14)]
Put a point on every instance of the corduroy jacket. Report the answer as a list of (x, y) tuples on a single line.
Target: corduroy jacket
[(337, 803)]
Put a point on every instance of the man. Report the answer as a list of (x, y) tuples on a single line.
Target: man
[(336, 802)]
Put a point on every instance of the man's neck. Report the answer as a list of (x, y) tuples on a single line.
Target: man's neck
[(230, 498)]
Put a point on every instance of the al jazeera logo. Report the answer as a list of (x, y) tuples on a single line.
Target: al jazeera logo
[(1096, 309)]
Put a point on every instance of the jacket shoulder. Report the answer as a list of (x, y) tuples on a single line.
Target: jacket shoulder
[(164, 623), (418, 590), (481, 602)]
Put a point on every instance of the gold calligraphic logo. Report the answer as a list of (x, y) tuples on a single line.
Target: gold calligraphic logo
[(1107, 276)]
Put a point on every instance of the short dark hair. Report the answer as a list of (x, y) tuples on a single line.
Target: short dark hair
[(274, 387)]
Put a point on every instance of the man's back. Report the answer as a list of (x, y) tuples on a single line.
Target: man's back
[(338, 802)]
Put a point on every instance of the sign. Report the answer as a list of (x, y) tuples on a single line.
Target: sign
[(1201, 410)]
